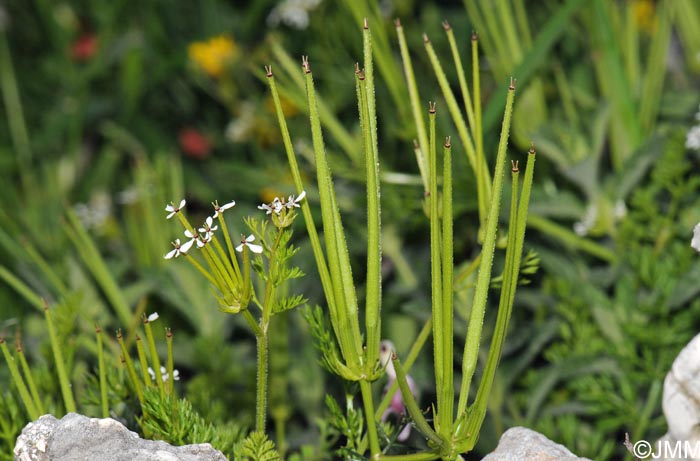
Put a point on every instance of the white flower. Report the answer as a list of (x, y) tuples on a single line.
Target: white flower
[(276, 206), (692, 140), (695, 242), (208, 228), (220, 209), (153, 317), (173, 209), (164, 374), (252, 246), (194, 238), (179, 249), (266, 207), (294, 202)]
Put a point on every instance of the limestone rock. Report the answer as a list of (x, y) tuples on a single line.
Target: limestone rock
[(681, 405), (79, 438), (521, 444)]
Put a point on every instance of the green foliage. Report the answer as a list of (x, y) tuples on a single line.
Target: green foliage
[(257, 447), (324, 340), (349, 424), (620, 328), (176, 422), (11, 423)]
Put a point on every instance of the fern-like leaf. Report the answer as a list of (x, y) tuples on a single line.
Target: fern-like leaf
[(257, 447)]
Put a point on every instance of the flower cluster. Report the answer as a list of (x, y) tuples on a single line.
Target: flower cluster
[(281, 210), (164, 374), (202, 236), (220, 262)]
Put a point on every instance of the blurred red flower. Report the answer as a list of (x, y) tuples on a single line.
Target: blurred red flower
[(84, 48), (194, 144)]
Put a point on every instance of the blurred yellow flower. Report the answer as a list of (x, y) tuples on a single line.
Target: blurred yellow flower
[(268, 194), (644, 13), (212, 55), (288, 107)]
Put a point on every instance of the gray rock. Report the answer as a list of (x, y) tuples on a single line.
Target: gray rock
[(521, 444), (681, 405), (79, 438)]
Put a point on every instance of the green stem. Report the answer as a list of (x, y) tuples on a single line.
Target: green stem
[(20, 287), (247, 282), (248, 316), (154, 356), (60, 365), (425, 456), (226, 261), (306, 210), (14, 112), (269, 299), (348, 328), (468, 107), (482, 173), (126, 359), (410, 358), (229, 246), (374, 251), (19, 382), (416, 109), (446, 413), (143, 361), (30, 379), (170, 363), (366, 390), (102, 369), (201, 269), (411, 404), (570, 238), (476, 319), (435, 268), (261, 393), (477, 131)]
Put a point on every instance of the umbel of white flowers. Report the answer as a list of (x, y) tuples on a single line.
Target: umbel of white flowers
[(281, 210), (695, 242)]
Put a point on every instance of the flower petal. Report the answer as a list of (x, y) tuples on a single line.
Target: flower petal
[(186, 246), (239, 248), (695, 242), (255, 248), (153, 317)]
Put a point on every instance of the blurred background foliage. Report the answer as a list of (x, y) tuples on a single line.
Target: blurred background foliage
[(110, 110)]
